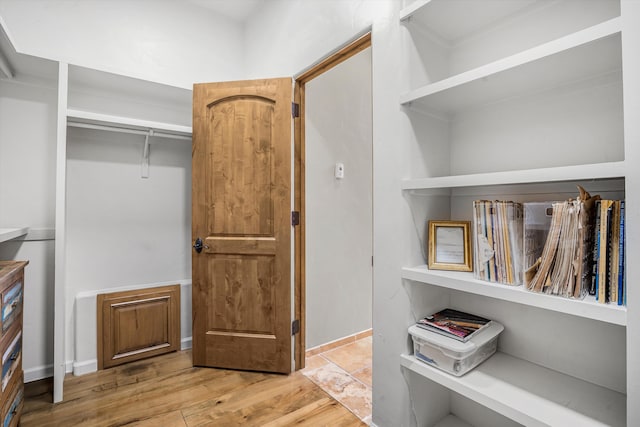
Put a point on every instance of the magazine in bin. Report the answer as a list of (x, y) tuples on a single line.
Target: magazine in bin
[(453, 356), (454, 324)]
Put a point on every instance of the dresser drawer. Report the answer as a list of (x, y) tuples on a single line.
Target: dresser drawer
[(11, 304), (11, 360), (13, 406)]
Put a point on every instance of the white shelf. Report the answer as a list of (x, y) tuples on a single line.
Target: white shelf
[(465, 282), (453, 21), (550, 65), (12, 233), (607, 170), (530, 394), (412, 9), (26, 68), (88, 117)]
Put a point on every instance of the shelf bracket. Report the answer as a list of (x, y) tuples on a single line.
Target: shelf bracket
[(144, 171)]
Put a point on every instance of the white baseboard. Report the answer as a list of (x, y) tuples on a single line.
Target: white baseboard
[(86, 367), (38, 373), (185, 343)]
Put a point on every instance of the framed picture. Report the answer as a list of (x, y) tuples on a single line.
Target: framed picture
[(450, 245)]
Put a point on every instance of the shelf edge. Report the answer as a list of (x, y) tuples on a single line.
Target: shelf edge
[(592, 171), (616, 315), (7, 234), (410, 10), (99, 118)]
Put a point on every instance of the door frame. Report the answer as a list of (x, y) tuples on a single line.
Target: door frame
[(350, 49)]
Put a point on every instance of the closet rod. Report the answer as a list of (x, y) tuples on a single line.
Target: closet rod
[(127, 130)]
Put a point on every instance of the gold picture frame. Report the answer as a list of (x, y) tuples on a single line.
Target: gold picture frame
[(450, 245)]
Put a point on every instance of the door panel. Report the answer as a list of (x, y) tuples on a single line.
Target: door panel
[(241, 210)]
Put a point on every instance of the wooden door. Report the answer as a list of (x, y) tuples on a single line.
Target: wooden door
[(241, 200)]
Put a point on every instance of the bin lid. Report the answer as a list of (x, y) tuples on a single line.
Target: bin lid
[(490, 331)]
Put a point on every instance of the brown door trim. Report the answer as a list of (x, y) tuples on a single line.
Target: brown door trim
[(323, 66)]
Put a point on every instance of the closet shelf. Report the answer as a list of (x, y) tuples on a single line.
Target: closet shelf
[(437, 13), (12, 233), (91, 118), (412, 9), (607, 170), (530, 394), (460, 281), (551, 65)]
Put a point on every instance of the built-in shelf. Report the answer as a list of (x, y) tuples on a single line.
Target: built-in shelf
[(26, 68), (551, 65), (462, 281), (411, 9), (438, 14), (608, 170), (530, 394), (12, 233), (91, 118)]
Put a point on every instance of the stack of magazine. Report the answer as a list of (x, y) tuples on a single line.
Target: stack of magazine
[(583, 252), (498, 241), (560, 268), (454, 324)]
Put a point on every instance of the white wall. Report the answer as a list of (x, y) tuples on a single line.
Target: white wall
[(27, 198), (27, 154), (338, 212), (123, 231), (287, 37), (171, 42)]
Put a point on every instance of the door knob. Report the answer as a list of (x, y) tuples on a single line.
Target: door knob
[(198, 245)]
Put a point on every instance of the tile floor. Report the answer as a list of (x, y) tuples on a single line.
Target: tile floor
[(345, 373)]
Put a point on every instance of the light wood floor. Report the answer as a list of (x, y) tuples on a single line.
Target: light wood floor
[(168, 391)]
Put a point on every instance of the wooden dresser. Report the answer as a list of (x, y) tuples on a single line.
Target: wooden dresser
[(11, 290)]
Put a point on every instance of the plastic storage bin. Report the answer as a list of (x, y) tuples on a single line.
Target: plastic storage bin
[(453, 356)]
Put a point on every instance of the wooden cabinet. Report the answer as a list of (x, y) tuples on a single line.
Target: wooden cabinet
[(518, 100), (12, 385)]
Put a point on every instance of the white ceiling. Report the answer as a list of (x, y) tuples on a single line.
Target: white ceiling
[(238, 10)]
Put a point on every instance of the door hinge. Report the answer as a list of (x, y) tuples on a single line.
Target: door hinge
[(295, 327), (295, 110), (295, 218)]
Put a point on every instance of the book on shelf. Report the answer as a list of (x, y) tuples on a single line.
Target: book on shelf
[(593, 289), (454, 324), (604, 250), (614, 251), (622, 291), (498, 241), (611, 283)]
